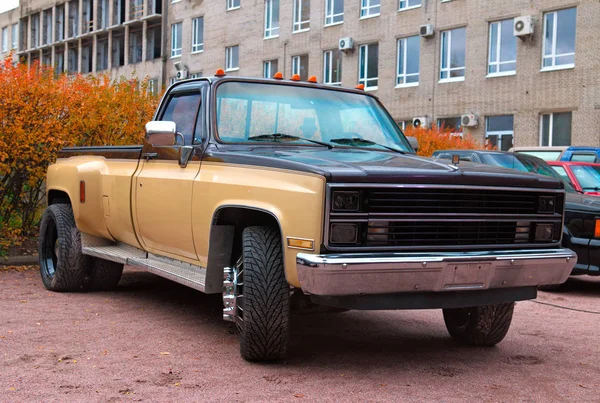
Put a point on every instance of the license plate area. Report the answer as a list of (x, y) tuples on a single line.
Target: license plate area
[(467, 276)]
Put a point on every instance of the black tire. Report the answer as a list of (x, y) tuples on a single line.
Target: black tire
[(480, 325), (266, 296), (103, 275), (62, 265)]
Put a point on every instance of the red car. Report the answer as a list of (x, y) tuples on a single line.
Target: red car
[(584, 176)]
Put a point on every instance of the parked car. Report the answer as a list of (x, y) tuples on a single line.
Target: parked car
[(562, 153), (582, 213), (583, 176), (264, 189)]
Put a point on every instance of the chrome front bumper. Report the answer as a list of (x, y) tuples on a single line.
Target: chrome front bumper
[(380, 273)]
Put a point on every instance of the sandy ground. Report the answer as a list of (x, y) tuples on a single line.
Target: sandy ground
[(153, 340)]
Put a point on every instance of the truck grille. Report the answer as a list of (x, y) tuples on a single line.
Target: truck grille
[(447, 217)]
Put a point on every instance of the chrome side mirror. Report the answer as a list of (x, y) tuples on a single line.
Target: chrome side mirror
[(414, 143), (161, 133)]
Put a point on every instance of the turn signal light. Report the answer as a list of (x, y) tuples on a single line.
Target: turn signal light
[(300, 243), (82, 191), (278, 76), (220, 73), (597, 228)]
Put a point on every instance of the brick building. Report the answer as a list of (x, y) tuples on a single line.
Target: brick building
[(540, 88)]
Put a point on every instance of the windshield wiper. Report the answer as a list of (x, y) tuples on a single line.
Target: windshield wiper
[(286, 137), (594, 188), (361, 141)]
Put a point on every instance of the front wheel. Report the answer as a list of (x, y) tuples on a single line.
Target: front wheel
[(261, 308), (480, 325)]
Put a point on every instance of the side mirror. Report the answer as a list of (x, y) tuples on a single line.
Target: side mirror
[(414, 143), (161, 133)]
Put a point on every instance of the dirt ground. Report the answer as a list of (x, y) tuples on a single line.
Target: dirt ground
[(154, 340)]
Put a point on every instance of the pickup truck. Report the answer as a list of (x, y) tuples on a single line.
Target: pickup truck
[(264, 190)]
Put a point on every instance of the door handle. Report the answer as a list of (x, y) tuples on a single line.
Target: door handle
[(149, 156)]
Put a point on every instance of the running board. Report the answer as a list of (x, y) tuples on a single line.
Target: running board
[(175, 270)]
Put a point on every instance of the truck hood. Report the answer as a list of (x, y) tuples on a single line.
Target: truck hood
[(351, 165), (582, 203)]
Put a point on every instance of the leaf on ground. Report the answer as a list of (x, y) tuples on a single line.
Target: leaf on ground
[(582, 386), (299, 395), (165, 353), (177, 384)]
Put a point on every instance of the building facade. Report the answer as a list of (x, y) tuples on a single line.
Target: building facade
[(456, 63)]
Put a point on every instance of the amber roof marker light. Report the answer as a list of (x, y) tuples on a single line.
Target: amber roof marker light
[(278, 75), (360, 87), (312, 79), (295, 77), (220, 73)]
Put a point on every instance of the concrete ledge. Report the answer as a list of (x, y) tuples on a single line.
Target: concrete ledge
[(18, 260)]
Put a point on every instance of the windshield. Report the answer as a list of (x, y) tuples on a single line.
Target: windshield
[(588, 176), (543, 154), (527, 165), (284, 114)]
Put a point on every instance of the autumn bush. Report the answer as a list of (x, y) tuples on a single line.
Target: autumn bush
[(40, 113), (434, 138)]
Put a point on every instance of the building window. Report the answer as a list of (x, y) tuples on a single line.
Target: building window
[(451, 125), (332, 67), (408, 4), (408, 61), (301, 15), (232, 58), (153, 86), (334, 12), (35, 30), (555, 129), (368, 65), (453, 55), (300, 66), (269, 68), (271, 18), (197, 34), (5, 39), (233, 4), (499, 131), (15, 36), (403, 124), (135, 46), (176, 40), (369, 8), (172, 80), (503, 49), (559, 39)]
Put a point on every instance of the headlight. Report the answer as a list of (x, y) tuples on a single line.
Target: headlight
[(344, 233), (544, 232), (546, 204), (345, 200)]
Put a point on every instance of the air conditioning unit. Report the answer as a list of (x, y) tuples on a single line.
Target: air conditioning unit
[(182, 74), (420, 122), (468, 120), (523, 26), (346, 44), (426, 31)]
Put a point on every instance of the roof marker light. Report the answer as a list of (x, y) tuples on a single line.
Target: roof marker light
[(278, 76), (295, 77), (360, 87), (312, 79), (220, 73)]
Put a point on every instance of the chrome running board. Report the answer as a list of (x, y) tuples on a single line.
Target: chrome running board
[(183, 273)]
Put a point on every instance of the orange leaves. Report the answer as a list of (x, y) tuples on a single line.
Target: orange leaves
[(40, 114), (441, 139)]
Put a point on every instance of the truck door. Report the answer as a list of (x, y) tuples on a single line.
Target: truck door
[(162, 188)]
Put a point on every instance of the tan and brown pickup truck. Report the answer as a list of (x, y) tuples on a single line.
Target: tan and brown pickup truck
[(264, 190)]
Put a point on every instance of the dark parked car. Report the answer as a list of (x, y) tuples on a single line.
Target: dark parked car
[(582, 213)]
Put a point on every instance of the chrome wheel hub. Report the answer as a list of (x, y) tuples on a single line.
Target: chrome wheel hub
[(233, 293)]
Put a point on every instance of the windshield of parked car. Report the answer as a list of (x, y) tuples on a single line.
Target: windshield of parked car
[(285, 114), (588, 176), (543, 154), (526, 165)]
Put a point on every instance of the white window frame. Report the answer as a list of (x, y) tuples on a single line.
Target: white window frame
[(366, 6), (297, 17), (553, 54), (328, 69), (176, 39), (197, 47), (268, 68), (231, 4), (329, 13), (363, 51), (497, 63), (404, 5), (551, 127), (404, 58), (229, 58), (296, 63), (15, 36), (5, 39), (271, 31), (449, 69), (499, 133)]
